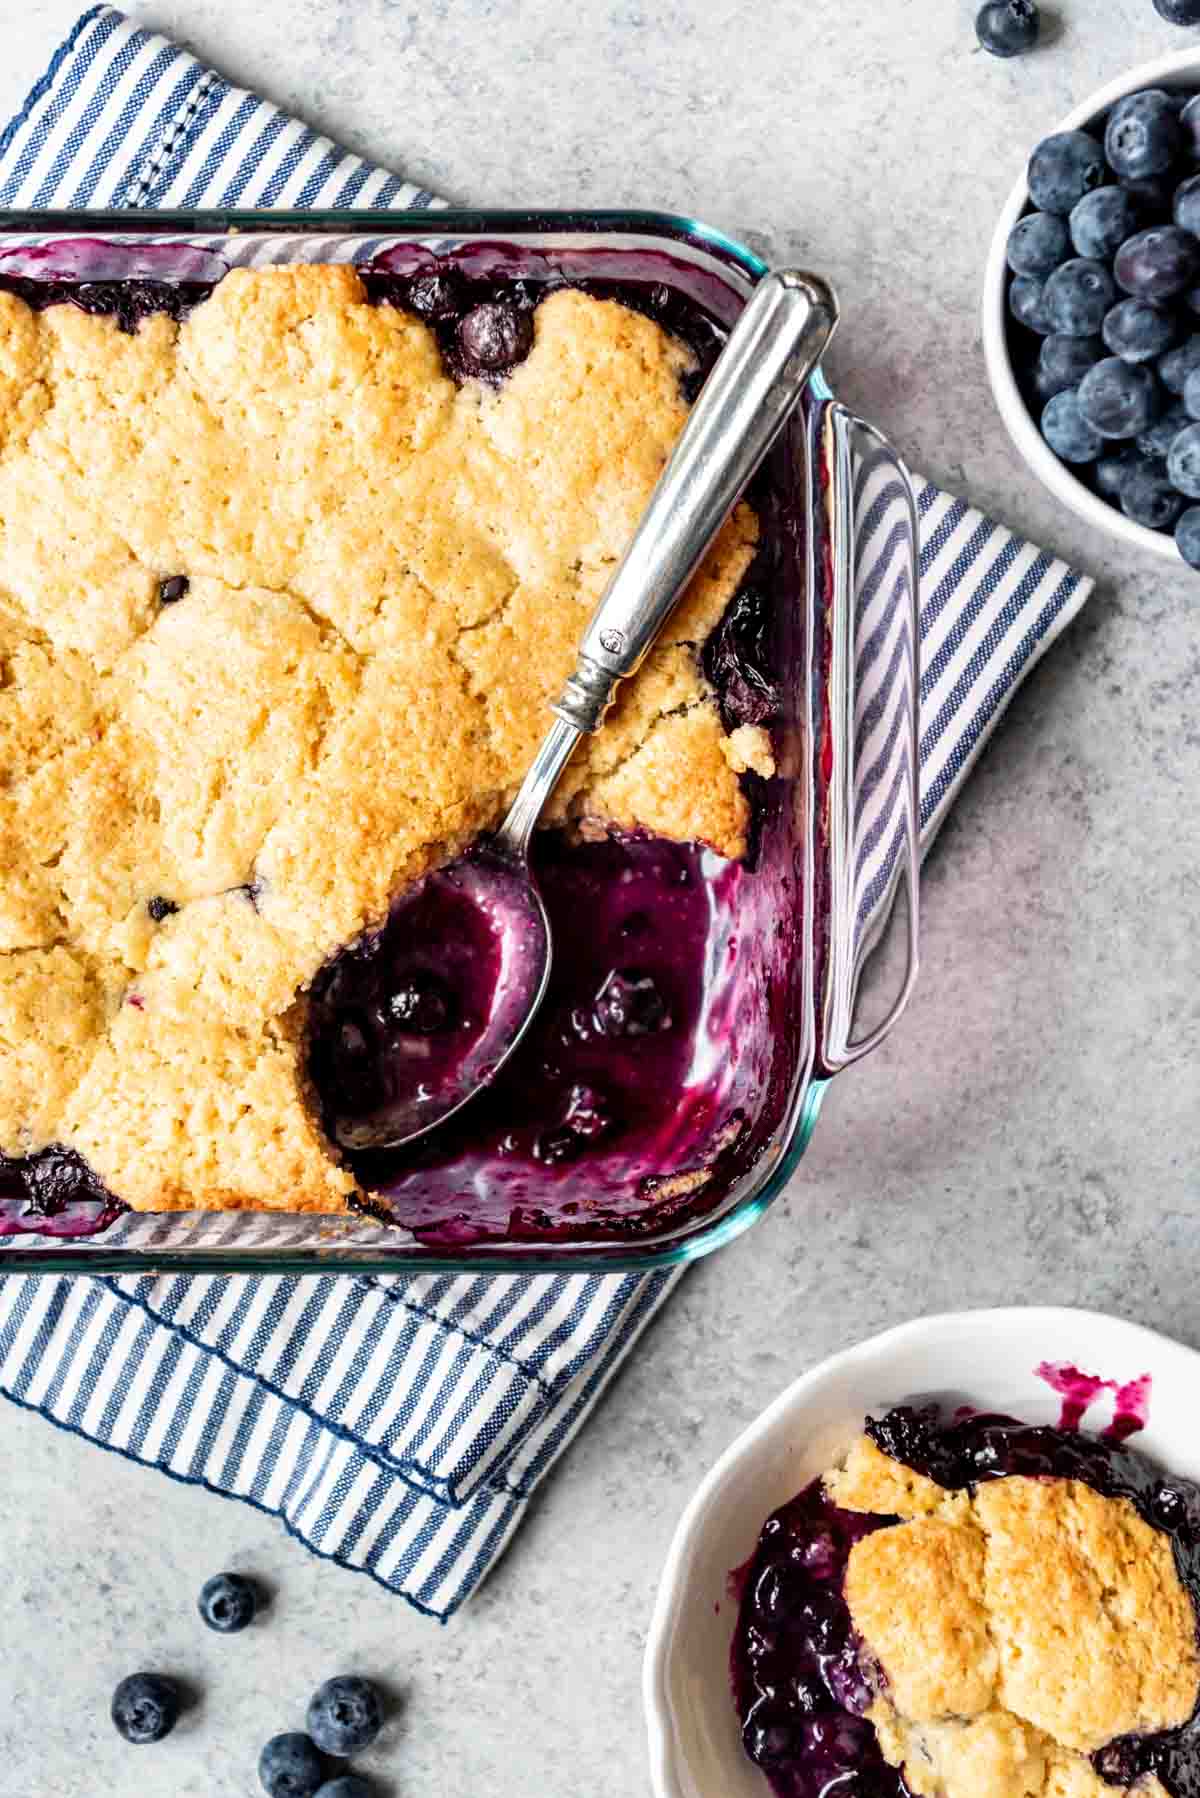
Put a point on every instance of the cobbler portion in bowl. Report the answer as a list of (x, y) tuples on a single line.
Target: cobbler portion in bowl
[(290, 569), (971, 1607)]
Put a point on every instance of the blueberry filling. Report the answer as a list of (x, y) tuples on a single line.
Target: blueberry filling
[(398, 1011), (127, 302), (160, 908), (48, 1182), (601, 1072), (172, 589), (794, 1662), (740, 661), (800, 1694)]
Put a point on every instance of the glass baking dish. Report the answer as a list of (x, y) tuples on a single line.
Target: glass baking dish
[(836, 828)]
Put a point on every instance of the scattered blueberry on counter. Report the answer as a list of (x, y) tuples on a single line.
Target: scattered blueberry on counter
[(1008, 27), (145, 1708), (344, 1716), (1178, 12), (290, 1767), (228, 1603), (1104, 295)]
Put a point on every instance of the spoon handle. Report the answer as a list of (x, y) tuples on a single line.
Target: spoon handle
[(755, 383)]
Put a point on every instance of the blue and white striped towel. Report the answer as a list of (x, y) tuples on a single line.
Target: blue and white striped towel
[(396, 1426)]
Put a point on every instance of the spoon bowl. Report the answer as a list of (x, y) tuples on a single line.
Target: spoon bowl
[(504, 936)]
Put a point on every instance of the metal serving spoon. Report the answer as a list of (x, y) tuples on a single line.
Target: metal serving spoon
[(755, 384)]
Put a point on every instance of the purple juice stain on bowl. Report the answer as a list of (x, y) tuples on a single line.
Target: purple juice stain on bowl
[(1079, 1391), (800, 1683)]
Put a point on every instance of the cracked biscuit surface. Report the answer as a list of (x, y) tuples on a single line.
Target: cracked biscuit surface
[(1017, 1627), (387, 575)]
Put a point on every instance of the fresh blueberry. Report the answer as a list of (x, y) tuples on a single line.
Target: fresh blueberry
[(1138, 332), (1040, 241), (1143, 136), (1111, 471), (1063, 362), (1189, 122), (1026, 302), (1183, 462), (1156, 440), (1119, 399), (290, 1767), (1067, 431), (1185, 209), (630, 1004), (1158, 263), (1008, 27), (1155, 196), (1178, 12), (1175, 367), (346, 1785), (145, 1708), (1100, 223), (494, 337), (344, 1715), (1187, 536), (228, 1603), (1191, 394), (172, 589), (1077, 296), (1063, 168), (160, 908), (1147, 497)]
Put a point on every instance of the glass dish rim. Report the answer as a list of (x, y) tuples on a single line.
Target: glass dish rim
[(798, 1127)]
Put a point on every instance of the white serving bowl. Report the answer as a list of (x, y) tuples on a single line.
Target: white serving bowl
[(984, 1358), (1180, 69)]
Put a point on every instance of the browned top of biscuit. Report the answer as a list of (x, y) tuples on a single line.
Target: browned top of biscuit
[(1016, 1628)]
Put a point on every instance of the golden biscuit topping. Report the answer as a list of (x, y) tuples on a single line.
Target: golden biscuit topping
[(1017, 1628), (204, 793)]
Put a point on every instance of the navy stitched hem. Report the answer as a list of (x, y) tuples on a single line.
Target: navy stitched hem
[(414, 1474), (134, 189), (241, 1498)]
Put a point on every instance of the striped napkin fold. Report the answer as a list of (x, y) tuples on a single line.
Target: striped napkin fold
[(396, 1426)]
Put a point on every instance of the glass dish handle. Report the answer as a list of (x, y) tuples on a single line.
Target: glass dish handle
[(873, 794)]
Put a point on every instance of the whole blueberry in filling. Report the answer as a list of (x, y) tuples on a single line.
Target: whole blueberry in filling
[(421, 1004), (975, 1601), (436, 296), (493, 338), (741, 661), (629, 1004)]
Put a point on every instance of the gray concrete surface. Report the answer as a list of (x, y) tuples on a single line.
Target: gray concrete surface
[(1031, 1133)]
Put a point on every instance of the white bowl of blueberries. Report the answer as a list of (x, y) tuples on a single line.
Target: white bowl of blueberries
[(1091, 321)]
